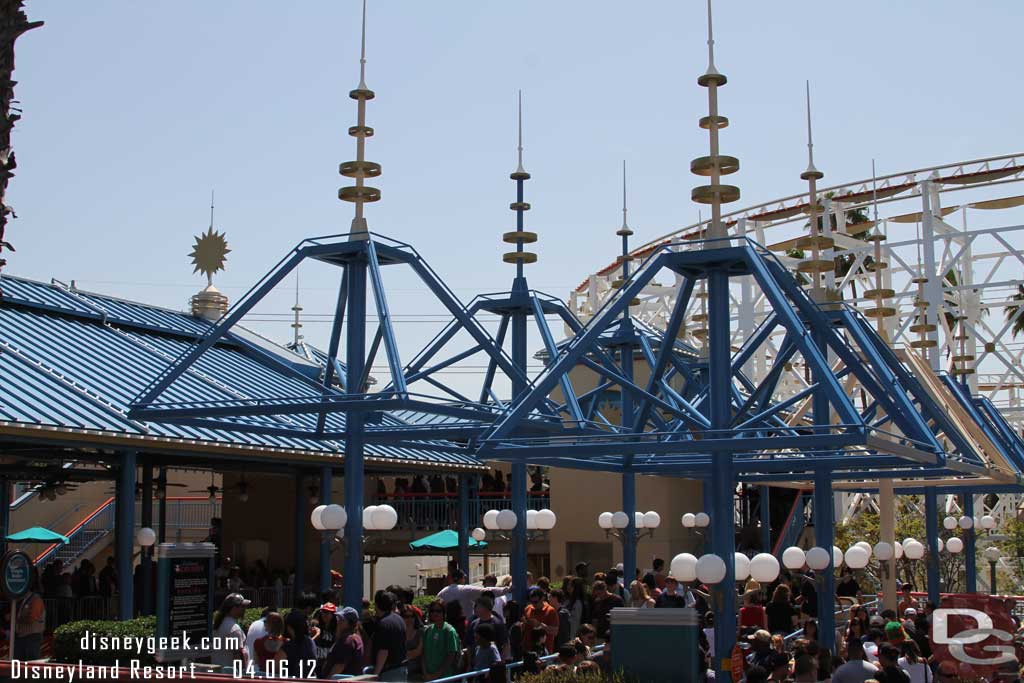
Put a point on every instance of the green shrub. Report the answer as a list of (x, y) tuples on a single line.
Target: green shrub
[(67, 641), (252, 614), (555, 675), (423, 601)]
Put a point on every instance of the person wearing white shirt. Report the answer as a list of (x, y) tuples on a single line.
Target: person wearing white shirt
[(913, 664), (257, 630), (229, 634), (466, 595)]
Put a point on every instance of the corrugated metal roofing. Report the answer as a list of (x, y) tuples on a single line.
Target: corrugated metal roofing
[(75, 360)]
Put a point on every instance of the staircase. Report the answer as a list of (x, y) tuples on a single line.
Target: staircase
[(187, 518), (795, 523)]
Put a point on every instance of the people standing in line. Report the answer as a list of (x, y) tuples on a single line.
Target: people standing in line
[(441, 644), (485, 651), (459, 591), (913, 664), (413, 640), (781, 616), (673, 596), (888, 665), (388, 640), (856, 669), (603, 604), (346, 657), (30, 622), (659, 572), (299, 649), (484, 614), (752, 614), (638, 595), (540, 617), (257, 629), (514, 624), (229, 633), (268, 647), (556, 599), (575, 601)]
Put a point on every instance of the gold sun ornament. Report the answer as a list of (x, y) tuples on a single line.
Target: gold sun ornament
[(209, 253)]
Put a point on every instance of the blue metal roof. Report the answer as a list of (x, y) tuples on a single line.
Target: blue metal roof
[(74, 360)]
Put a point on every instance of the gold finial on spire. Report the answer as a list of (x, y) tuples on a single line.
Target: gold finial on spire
[(360, 169), (715, 165), (209, 253), (519, 236)]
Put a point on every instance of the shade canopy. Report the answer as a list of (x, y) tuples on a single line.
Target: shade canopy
[(444, 540), (37, 534)]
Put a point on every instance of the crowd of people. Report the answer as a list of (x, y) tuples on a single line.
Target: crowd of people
[(567, 627)]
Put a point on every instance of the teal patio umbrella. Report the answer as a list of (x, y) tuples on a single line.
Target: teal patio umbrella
[(37, 534), (445, 541)]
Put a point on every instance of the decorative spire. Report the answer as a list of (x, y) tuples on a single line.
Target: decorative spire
[(816, 242), (297, 309), (360, 169), (715, 165), (519, 236), (624, 259), (211, 209), (880, 294), (209, 253)]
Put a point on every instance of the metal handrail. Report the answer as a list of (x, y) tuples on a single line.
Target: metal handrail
[(838, 613)]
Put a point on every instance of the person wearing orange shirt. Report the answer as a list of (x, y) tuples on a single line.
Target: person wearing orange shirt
[(540, 614)]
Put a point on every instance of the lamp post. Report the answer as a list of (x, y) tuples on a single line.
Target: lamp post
[(992, 554), (501, 524), (331, 520), (145, 537), (616, 524)]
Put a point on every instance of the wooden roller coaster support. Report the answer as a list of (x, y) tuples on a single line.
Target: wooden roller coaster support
[(881, 311)]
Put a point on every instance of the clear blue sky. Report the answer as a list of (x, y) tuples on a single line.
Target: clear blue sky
[(133, 111)]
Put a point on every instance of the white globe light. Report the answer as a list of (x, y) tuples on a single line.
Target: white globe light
[(742, 567), (764, 568), (966, 522), (684, 567), (368, 518), (941, 545), (315, 517), (620, 520), (652, 520), (638, 520), (604, 520), (702, 519), (988, 522), (531, 519), (384, 518), (793, 557), (711, 569), (837, 557), (856, 557), (620, 568), (333, 517), (865, 545), (689, 520), (491, 519), (546, 520), (478, 534), (907, 540), (145, 537), (954, 545), (818, 558), (949, 523), (884, 551), (506, 520), (898, 550), (992, 554)]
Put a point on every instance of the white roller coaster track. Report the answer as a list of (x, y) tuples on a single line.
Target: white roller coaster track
[(964, 218)]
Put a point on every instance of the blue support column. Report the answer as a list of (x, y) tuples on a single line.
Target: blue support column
[(720, 495), (824, 537), (931, 512), (125, 508), (766, 520), (355, 442), (628, 477), (325, 540), (518, 560), (5, 513), (970, 548), (629, 533), (299, 532), (464, 523), (146, 559), (161, 536)]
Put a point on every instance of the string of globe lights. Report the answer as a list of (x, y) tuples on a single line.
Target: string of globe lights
[(496, 522), (330, 520)]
